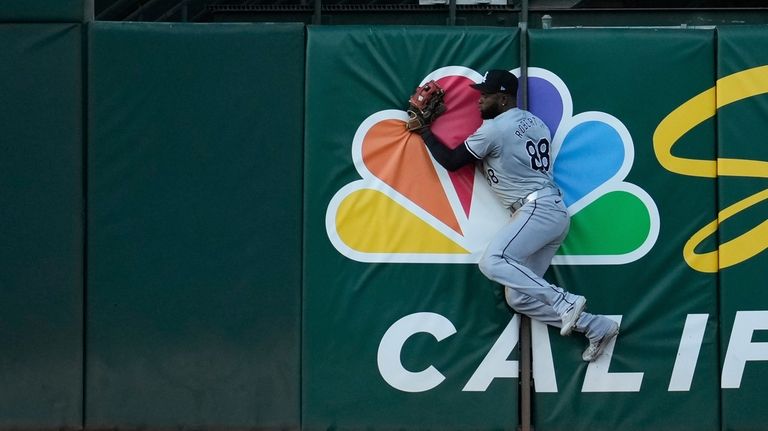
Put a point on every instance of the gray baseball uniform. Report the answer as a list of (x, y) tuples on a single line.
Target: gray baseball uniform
[(515, 151)]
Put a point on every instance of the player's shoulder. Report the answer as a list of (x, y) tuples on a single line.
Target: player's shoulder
[(487, 129), (509, 119)]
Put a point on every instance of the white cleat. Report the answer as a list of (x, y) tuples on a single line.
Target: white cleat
[(572, 316), (595, 348)]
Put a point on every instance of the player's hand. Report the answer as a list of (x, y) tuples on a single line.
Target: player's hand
[(424, 106)]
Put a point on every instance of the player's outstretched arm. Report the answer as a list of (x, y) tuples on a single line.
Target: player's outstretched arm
[(450, 159)]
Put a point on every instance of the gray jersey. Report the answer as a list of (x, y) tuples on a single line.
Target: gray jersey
[(515, 148)]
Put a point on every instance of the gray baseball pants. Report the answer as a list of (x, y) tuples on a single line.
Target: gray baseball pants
[(520, 254)]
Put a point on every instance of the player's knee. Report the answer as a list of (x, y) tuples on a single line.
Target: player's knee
[(517, 301), (493, 265), (513, 298), (487, 265)]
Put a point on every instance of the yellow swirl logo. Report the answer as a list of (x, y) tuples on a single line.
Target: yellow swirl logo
[(729, 89)]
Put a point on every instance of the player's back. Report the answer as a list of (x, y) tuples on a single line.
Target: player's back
[(521, 157)]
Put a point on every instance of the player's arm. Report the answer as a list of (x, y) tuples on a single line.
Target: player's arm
[(450, 159)]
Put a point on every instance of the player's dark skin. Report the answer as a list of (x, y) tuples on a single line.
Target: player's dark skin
[(493, 104), (490, 106)]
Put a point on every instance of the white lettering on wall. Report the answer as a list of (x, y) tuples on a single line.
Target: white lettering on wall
[(543, 364), (688, 352), (598, 379), (741, 349), (388, 358), (495, 363)]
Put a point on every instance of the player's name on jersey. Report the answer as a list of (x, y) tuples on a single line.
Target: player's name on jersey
[(523, 125), (496, 365)]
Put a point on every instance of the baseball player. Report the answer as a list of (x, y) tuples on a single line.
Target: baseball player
[(513, 147)]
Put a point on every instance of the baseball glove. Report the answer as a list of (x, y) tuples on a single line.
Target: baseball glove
[(425, 105)]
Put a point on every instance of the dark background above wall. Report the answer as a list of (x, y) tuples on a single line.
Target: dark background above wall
[(468, 12)]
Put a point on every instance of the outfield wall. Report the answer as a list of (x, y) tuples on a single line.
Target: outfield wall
[(42, 224), (225, 226)]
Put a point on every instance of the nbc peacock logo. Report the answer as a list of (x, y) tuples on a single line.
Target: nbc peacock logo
[(407, 208)]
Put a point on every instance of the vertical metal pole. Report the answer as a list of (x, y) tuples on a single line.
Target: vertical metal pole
[(452, 12), (526, 384), (316, 18), (524, 55)]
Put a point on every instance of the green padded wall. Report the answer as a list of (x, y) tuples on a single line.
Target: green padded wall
[(194, 261), (742, 85), (201, 305), (662, 372), (391, 338), (41, 226)]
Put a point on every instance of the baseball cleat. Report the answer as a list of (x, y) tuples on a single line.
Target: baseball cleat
[(595, 348), (572, 315)]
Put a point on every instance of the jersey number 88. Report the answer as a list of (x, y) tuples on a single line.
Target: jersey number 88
[(539, 153)]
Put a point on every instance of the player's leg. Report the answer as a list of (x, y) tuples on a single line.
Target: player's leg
[(599, 330), (594, 326), (532, 307), (538, 262), (531, 238)]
